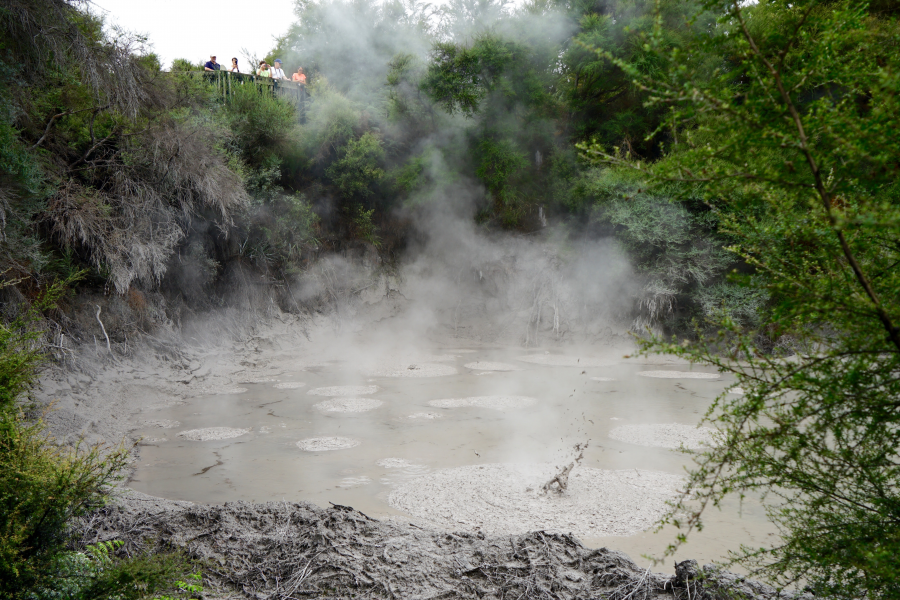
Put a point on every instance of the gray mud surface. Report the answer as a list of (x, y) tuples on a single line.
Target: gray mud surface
[(507, 499), (492, 402), (679, 375), (282, 550), (349, 405), (413, 370), (665, 435)]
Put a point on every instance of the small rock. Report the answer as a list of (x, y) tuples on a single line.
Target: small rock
[(686, 570)]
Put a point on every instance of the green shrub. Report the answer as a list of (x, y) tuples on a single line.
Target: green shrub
[(332, 121), (44, 485), (364, 227), (97, 572), (263, 125), (282, 228), (741, 305), (674, 244), (183, 65), (358, 170), (21, 353), (792, 142), (409, 176), (23, 190), (498, 162)]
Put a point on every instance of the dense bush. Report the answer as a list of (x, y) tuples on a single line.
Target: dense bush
[(357, 171), (43, 486), (791, 145), (676, 246), (262, 126)]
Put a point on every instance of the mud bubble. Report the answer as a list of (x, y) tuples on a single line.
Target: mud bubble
[(344, 390), (289, 385), (352, 482), (492, 402), (323, 444), (220, 390), (208, 434), (428, 416), (349, 405), (164, 423), (394, 463)]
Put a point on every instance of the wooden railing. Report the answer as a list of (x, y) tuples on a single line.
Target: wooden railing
[(226, 82)]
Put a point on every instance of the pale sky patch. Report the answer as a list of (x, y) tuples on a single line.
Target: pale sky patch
[(194, 29)]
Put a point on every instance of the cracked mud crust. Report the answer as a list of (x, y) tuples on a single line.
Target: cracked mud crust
[(507, 499)]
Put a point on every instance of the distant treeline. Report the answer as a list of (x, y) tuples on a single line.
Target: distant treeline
[(153, 183)]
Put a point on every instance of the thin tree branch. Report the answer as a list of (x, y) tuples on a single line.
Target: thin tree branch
[(53, 120)]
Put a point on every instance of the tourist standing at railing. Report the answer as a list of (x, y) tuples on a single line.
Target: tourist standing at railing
[(234, 66), (263, 70), (299, 76), (211, 64), (277, 71)]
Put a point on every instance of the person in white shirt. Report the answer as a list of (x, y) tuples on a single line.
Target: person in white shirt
[(276, 71)]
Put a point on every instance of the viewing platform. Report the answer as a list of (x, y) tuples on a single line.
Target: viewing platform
[(226, 82)]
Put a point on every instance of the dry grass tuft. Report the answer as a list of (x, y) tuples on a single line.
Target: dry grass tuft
[(145, 201)]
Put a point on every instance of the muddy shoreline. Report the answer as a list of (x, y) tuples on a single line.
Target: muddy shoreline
[(284, 550)]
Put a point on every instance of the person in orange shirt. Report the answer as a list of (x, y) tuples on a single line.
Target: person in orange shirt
[(299, 76)]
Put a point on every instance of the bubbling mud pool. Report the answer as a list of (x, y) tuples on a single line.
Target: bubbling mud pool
[(434, 443)]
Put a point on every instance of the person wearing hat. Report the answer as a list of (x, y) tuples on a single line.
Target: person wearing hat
[(277, 71), (211, 64)]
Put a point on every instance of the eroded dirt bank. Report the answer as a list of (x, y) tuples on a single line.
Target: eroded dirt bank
[(282, 550)]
